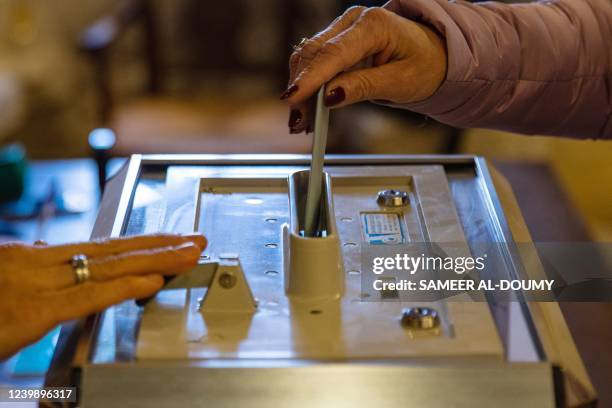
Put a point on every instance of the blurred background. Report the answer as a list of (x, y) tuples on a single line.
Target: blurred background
[(197, 76)]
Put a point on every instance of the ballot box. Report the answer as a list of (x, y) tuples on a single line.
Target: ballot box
[(271, 317)]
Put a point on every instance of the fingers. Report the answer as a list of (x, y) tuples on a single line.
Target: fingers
[(408, 62), (366, 36), (363, 85), (412, 78), (122, 269), (309, 50), (63, 253), (163, 261), (300, 114), (93, 297)]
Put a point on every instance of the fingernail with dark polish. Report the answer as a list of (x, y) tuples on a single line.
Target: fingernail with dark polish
[(295, 118), (290, 91), (335, 96)]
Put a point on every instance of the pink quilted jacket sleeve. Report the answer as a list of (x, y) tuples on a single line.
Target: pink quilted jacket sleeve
[(541, 68)]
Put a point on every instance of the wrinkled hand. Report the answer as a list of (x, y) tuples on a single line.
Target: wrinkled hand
[(408, 63), (38, 289)]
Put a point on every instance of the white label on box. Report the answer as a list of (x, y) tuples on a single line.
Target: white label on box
[(382, 228)]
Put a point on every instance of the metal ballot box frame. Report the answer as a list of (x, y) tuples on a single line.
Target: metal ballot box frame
[(170, 354)]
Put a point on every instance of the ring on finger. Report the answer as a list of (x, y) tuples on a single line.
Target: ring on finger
[(80, 266), (300, 44)]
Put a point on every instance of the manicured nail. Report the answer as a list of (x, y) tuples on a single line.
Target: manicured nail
[(189, 250), (335, 96), (290, 91), (197, 239), (295, 119)]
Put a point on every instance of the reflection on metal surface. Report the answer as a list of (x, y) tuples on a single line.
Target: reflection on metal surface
[(423, 318), (392, 198), (259, 384)]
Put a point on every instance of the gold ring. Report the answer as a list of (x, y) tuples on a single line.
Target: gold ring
[(80, 266)]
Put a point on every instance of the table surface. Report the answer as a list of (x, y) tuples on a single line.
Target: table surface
[(551, 218), (77, 179)]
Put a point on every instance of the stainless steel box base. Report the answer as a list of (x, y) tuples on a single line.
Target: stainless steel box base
[(171, 354)]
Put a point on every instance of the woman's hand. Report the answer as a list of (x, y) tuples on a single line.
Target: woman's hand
[(408, 63), (38, 288)]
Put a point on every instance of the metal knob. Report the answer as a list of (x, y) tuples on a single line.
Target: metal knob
[(392, 198), (420, 318)]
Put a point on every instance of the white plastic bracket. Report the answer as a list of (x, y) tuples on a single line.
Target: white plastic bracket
[(229, 291)]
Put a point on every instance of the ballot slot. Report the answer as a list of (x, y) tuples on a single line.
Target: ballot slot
[(298, 187), (313, 264)]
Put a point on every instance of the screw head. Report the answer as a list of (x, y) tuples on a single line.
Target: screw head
[(422, 318), (392, 198), (227, 280)]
